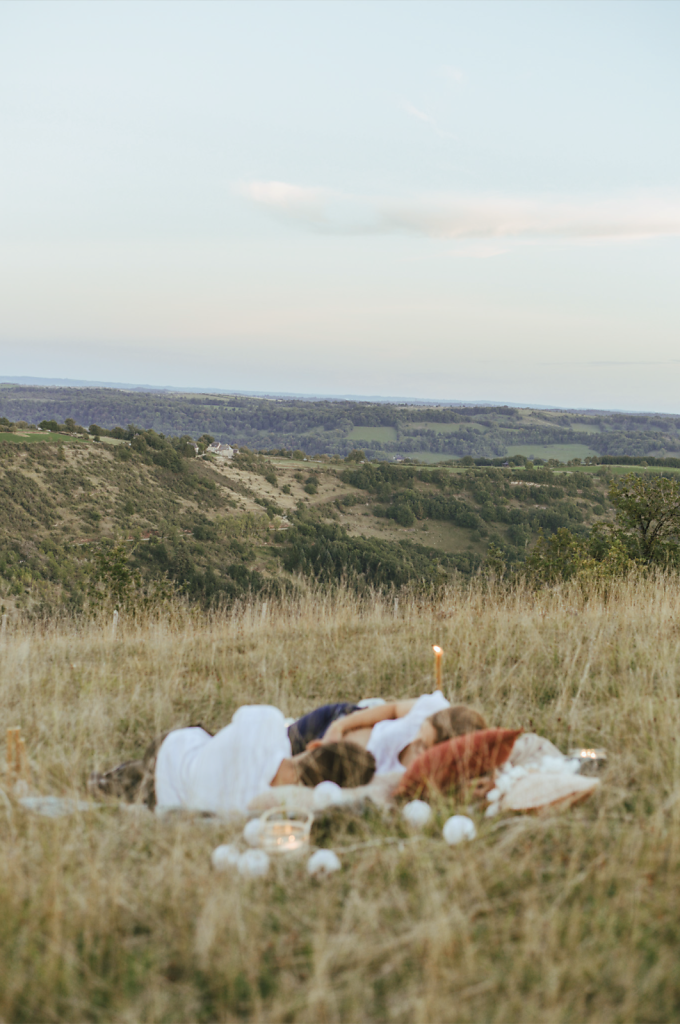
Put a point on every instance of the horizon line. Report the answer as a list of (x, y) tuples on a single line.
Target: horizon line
[(68, 382)]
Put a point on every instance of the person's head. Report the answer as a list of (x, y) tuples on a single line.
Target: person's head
[(450, 722), (347, 764)]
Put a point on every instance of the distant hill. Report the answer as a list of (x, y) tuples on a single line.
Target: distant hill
[(383, 430), (68, 382)]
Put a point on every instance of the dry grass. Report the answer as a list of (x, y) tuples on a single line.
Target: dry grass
[(114, 916)]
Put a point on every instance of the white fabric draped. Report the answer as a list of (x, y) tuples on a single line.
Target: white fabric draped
[(222, 773)]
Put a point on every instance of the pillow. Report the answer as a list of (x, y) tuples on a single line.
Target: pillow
[(448, 764)]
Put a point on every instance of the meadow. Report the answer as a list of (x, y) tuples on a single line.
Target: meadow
[(109, 915), (31, 437), (562, 452), (372, 434)]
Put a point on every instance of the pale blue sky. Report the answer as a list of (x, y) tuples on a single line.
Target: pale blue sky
[(444, 200)]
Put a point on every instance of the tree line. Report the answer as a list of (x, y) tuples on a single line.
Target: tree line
[(331, 427)]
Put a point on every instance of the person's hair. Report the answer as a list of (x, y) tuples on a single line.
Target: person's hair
[(345, 763), (456, 721)]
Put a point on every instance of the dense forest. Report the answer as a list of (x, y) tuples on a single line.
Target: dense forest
[(382, 430)]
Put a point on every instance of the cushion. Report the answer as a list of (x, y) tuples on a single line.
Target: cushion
[(446, 765)]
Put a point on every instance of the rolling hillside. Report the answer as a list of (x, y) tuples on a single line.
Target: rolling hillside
[(426, 433), (76, 514)]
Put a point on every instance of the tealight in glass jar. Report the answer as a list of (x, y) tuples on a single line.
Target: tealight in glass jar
[(286, 832)]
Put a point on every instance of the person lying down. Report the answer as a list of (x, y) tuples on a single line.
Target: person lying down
[(398, 733), (190, 769)]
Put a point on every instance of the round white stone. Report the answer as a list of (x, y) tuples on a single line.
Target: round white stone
[(224, 857), (253, 864), (323, 862), (417, 813), (459, 828), (327, 794), (252, 832)]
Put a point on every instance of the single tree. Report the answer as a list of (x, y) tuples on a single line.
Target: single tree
[(648, 514)]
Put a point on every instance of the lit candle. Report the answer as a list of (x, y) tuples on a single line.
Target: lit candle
[(285, 832), (437, 665), (285, 839)]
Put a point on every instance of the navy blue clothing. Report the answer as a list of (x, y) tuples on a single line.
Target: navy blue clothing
[(313, 726)]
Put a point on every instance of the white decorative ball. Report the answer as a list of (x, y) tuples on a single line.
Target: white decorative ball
[(494, 795), (224, 857), (327, 794), (323, 862), (253, 864), (492, 810), (417, 813), (504, 782), (459, 828), (252, 832)]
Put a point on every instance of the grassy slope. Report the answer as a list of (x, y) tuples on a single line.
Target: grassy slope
[(110, 916), (32, 436), (89, 494)]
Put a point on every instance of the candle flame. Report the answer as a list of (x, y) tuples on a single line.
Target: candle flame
[(436, 649)]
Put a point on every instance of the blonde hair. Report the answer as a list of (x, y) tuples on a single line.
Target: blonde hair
[(456, 721)]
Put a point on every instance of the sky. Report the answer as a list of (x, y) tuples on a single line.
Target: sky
[(456, 201)]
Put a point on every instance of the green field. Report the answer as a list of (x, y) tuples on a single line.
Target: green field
[(382, 434), (449, 428), (562, 452), (32, 438), (430, 457), (439, 428), (585, 428)]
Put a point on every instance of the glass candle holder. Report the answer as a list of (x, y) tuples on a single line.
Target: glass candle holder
[(591, 758), (286, 832)]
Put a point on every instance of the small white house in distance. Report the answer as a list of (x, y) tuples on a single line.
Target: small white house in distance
[(224, 451)]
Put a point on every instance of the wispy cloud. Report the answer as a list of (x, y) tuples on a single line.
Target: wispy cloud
[(411, 109), (321, 209), (414, 112), (296, 202), (465, 217)]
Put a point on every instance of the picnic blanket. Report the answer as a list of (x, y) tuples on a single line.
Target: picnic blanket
[(536, 777)]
